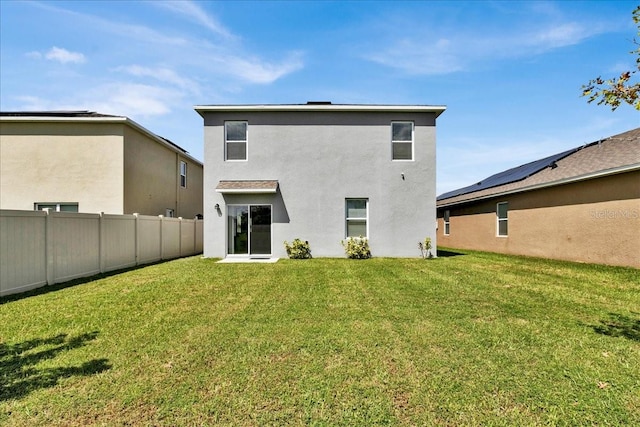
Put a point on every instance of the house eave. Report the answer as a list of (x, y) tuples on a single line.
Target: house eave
[(436, 109), (584, 177)]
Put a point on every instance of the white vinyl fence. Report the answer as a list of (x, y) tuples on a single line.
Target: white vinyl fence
[(40, 248)]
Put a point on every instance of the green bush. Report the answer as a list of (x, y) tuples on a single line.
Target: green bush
[(425, 248), (298, 249), (357, 247)]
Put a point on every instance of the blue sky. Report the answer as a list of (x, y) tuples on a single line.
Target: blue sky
[(508, 72)]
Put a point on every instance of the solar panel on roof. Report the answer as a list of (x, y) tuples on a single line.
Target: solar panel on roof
[(511, 175)]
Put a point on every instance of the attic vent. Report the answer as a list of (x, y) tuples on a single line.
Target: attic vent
[(318, 102)]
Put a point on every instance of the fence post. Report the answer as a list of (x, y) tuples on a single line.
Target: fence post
[(195, 235), (161, 240), (137, 239), (180, 236), (101, 242), (48, 244)]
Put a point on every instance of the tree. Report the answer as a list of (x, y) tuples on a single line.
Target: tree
[(614, 92)]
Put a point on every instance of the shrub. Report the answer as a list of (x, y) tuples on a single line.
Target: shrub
[(425, 248), (357, 247), (298, 249)]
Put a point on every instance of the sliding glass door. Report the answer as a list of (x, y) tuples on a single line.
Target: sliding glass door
[(249, 229)]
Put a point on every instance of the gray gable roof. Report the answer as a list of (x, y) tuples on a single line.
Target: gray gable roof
[(54, 113), (615, 153)]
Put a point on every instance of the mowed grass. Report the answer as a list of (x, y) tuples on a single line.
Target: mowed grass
[(474, 339)]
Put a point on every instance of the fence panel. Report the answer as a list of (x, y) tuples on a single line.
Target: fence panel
[(187, 237), (199, 245), (149, 239), (39, 248), (23, 256), (118, 242), (76, 252), (170, 238)]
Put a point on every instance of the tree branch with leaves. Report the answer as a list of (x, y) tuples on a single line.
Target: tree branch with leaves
[(616, 91)]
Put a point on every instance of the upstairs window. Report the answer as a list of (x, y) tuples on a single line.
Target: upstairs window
[(502, 214), (235, 140), (357, 217), (183, 174), (402, 140)]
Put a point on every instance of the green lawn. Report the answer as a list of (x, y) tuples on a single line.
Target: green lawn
[(473, 339)]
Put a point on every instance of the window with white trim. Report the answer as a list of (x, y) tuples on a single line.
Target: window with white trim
[(183, 174), (357, 217), (56, 207), (502, 209), (235, 140), (402, 140), (447, 225)]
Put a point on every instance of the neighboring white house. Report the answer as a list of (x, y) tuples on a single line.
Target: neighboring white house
[(320, 172), (82, 161)]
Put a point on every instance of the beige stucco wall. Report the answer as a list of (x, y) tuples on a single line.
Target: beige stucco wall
[(152, 179), (190, 198), (61, 162), (596, 221)]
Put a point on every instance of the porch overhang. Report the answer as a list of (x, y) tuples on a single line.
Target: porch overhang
[(247, 186)]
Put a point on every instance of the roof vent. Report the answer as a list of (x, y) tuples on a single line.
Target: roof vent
[(318, 102)]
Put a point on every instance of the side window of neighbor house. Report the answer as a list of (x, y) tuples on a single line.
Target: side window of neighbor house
[(57, 207), (402, 140), (502, 213), (183, 174), (357, 215), (235, 140), (447, 226)]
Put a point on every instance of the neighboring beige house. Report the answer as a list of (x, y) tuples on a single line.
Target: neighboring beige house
[(579, 205), (82, 161)]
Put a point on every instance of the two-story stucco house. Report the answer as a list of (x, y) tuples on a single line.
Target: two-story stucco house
[(82, 161), (320, 172)]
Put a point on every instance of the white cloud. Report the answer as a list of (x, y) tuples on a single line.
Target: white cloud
[(195, 12), (556, 36), (431, 50), (162, 74), (58, 54), (224, 58), (133, 100), (122, 99), (33, 55), (255, 70), (64, 56), (442, 57), (33, 103)]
